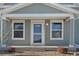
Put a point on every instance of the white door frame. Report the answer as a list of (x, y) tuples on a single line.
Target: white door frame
[(43, 31)]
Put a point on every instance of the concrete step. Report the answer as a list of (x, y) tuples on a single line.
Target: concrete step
[(36, 49)]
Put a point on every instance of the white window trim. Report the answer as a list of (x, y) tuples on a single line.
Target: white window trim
[(56, 21), (18, 21)]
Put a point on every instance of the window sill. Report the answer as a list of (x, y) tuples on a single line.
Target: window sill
[(18, 39), (56, 38)]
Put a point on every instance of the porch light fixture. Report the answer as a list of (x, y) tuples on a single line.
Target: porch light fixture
[(47, 24)]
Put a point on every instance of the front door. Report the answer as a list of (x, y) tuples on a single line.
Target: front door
[(37, 33)]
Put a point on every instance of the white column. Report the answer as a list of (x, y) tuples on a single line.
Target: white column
[(1, 31), (70, 41), (71, 32), (74, 37)]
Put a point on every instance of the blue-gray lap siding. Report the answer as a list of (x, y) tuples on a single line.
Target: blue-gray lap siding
[(37, 8), (48, 42)]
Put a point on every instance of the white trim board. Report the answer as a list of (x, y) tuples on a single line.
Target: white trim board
[(38, 16), (14, 8), (54, 5), (38, 46), (63, 8)]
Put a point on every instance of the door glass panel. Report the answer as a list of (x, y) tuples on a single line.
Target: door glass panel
[(37, 33), (37, 28), (37, 38)]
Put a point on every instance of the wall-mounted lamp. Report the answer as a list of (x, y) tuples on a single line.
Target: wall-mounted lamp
[(47, 24)]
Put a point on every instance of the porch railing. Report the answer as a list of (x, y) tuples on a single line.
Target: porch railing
[(6, 36)]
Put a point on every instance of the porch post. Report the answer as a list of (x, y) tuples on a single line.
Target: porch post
[(1, 30), (74, 34), (71, 32)]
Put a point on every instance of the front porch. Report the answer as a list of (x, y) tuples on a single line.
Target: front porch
[(37, 26), (45, 19)]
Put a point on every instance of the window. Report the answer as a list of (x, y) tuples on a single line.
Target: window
[(18, 29), (56, 30)]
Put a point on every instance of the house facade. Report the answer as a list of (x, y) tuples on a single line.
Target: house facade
[(39, 24)]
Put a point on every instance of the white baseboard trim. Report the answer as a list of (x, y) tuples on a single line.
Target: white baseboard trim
[(38, 46)]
